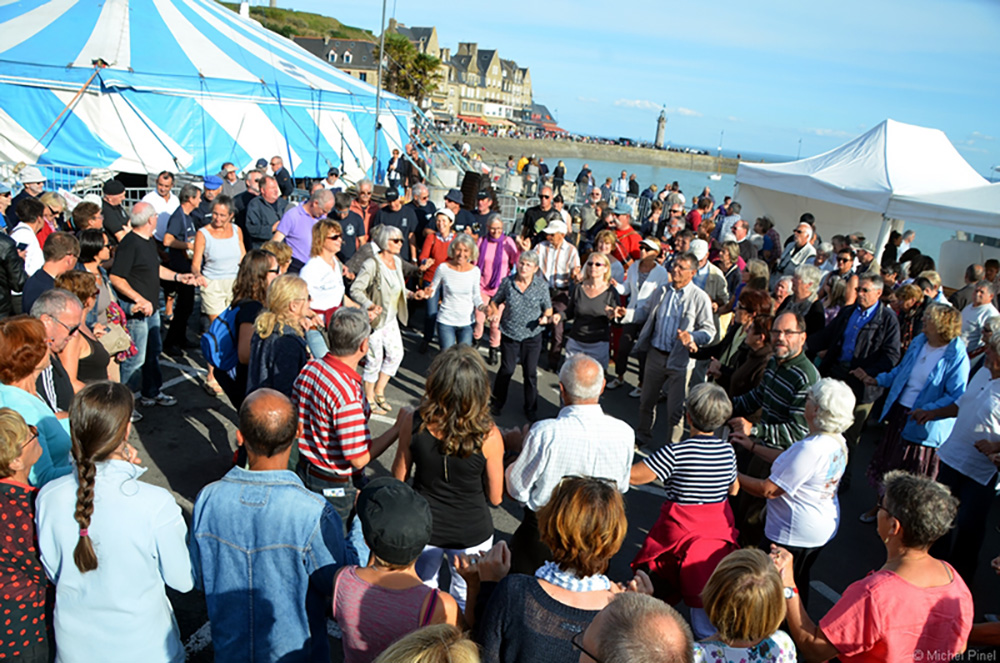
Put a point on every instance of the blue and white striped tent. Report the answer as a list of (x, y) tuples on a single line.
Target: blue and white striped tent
[(183, 85)]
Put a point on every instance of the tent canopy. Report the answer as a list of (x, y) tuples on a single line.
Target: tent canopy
[(975, 210), (149, 85), (882, 174)]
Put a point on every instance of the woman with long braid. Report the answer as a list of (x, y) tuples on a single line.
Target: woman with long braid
[(111, 543)]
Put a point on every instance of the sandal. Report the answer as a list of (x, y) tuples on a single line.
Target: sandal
[(382, 403), (376, 409), (212, 388)]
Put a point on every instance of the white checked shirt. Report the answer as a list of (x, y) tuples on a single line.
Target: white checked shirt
[(581, 441), (558, 264)]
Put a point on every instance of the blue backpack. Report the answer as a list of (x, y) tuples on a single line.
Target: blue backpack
[(218, 344)]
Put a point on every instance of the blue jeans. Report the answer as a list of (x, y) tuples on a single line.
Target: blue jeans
[(145, 334), (448, 335)]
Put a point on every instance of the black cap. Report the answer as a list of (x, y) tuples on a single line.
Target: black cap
[(333, 171), (391, 194), (483, 194), (113, 188), (395, 520), (261, 164)]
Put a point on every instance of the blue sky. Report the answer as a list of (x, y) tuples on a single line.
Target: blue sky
[(768, 73)]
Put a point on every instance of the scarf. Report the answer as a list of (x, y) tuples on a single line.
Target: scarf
[(551, 573), (496, 276)]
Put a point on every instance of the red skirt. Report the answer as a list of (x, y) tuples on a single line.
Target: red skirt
[(686, 544)]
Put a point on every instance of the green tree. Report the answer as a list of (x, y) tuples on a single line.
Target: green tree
[(399, 56), (422, 79)]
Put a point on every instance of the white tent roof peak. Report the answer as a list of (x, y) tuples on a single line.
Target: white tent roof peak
[(892, 158)]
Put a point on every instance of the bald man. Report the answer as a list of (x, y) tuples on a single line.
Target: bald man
[(636, 628), (262, 518)]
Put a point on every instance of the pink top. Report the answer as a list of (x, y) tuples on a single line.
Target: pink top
[(371, 617), (883, 618), (509, 257)]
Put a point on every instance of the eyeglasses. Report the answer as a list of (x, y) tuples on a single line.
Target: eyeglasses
[(866, 290), (333, 237), (70, 330), (577, 642), (544, 197), (595, 264), (32, 436), (881, 505), (843, 259), (276, 270), (785, 332)]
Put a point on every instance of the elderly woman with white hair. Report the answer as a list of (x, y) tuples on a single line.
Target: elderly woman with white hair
[(803, 512), (380, 289), (458, 279), (696, 528), (804, 299)]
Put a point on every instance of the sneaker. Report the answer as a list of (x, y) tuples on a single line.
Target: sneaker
[(614, 384), (160, 399), (136, 416), (635, 393)]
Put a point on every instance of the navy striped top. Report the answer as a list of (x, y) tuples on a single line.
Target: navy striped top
[(698, 470)]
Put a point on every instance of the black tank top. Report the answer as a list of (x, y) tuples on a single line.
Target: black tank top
[(456, 490), (94, 366)]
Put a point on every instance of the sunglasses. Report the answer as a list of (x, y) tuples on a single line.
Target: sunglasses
[(71, 330), (396, 239), (276, 270), (544, 197), (333, 237)]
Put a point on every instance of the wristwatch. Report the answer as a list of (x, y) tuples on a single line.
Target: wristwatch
[(790, 592)]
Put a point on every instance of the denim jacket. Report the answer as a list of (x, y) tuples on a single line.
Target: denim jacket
[(265, 550), (945, 384)]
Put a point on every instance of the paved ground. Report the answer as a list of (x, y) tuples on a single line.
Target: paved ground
[(191, 444)]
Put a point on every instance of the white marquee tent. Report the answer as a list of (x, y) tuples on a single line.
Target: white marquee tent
[(895, 172)]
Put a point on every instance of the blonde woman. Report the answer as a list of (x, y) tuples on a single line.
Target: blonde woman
[(592, 304), (19, 450), (438, 643), (278, 348), (323, 273), (282, 252), (458, 280), (380, 289), (218, 250), (744, 600)]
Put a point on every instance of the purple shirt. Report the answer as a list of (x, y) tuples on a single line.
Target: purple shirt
[(296, 225)]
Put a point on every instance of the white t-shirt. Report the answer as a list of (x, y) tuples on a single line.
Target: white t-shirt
[(928, 359), (326, 284), (164, 208), (33, 260), (808, 514), (460, 295)]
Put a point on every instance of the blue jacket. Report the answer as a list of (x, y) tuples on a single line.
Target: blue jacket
[(945, 384), (266, 550)]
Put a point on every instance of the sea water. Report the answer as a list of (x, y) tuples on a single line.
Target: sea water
[(928, 239)]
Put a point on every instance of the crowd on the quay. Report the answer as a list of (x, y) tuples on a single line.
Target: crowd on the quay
[(763, 357)]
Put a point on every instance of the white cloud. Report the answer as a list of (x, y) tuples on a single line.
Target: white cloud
[(641, 104), (976, 135), (830, 133), (687, 112), (588, 100)]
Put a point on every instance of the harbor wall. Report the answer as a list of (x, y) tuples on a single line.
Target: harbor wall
[(497, 149)]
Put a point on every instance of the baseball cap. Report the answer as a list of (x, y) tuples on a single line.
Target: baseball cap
[(445, 212), (31, 174), (864, 246), (391, 194), (113, 188), (699, 248), (212, 182), (555, 226), (333, 171), (4, 188), (261, 164), (622, 208), (455, 196), (483, 194), (395, 520)]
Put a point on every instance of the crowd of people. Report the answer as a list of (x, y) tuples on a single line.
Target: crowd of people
[(763, 358)]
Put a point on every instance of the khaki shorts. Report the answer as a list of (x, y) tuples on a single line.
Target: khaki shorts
[(216, 296)]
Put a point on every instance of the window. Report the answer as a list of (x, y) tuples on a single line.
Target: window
[(347, 57), (332, 56), (363, 76)]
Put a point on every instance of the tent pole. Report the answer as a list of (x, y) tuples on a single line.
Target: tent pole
[(883, 238), (378, 92)]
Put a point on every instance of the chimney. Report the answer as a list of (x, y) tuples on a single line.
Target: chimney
[(445, 54), (245, 9), (274, 4)]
